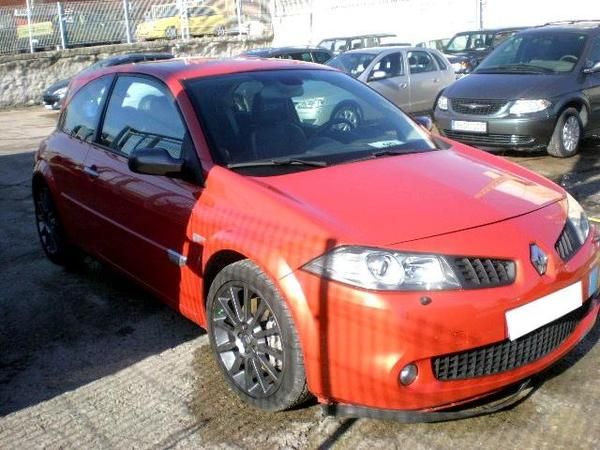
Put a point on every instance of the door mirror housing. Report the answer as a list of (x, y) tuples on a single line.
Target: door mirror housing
[(425, 122), (593, 68), (378, 75), (154, 161)]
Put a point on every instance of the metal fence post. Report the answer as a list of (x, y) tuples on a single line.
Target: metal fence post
[(126, 17), (61, 25), (28, 4), (238, 11)]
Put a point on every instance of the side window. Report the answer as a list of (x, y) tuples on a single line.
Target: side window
[(321, 57), (440, 62), (81, 116), (391, 64), (304, 56), (340, 45), (595, 50), (420, 62), (356, 44), (141, 113)]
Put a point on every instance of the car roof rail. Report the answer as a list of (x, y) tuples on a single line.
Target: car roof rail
[(573, 22)]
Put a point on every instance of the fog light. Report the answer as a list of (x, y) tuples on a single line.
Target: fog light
[(408, 374)]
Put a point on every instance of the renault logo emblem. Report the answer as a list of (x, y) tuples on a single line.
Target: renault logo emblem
[(538, 258)]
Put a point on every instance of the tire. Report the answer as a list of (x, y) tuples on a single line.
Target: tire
[(220, 30), (567, 135), (348, 111), (171, 33), (257, 350), (50, 230)]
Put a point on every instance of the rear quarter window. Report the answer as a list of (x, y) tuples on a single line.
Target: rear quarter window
[(81, 116)]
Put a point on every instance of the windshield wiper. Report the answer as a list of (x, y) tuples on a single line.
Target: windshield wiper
[(278, 162), (518, 68)]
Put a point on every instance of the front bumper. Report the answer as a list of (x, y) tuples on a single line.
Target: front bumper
[(356, 342), (51, 101), (532, 132)]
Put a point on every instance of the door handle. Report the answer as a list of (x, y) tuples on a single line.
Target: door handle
[(92, 171), (403, 85), (436, 80)]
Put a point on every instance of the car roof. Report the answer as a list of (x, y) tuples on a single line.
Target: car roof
[(570, 25), (290, 49), (492, 30), (127, 56), (380, 35), (188, 68), (388, 49)]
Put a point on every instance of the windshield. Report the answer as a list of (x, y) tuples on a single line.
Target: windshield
[(298, 120), (352, 63), (552, 52), (470, 42)]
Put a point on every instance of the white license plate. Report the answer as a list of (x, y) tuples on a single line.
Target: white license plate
[(466, 125), (524, 319)]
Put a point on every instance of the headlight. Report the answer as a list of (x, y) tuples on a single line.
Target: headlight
[(311, 103), (529, 106), (578, 219), (372, 268), (443, 103), (60, 93), (461, 67)]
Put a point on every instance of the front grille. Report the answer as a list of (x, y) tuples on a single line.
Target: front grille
[(567, 244), (502, 140), (477, 107), (483, 272), (508, 355)]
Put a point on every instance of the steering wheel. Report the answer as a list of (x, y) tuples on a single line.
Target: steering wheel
[(345, 127), (569, 58)]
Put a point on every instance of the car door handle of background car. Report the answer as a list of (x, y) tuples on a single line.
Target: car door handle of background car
[(436, 80), (92, 171), (403, 85), (176, 258)]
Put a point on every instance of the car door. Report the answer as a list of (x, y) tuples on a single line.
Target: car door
[(424, 80), (387, 76), (68, 148), (592, 87), (143, 218)]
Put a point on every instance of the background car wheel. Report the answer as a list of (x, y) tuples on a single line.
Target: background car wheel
[(350, 113), (567, 134), (51, 234), (220, 30), (253, 337), (171, 33)]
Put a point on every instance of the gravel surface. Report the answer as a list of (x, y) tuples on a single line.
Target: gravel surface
[(89, 360)]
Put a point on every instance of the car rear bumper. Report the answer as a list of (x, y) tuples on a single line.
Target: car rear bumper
[(503, 133)]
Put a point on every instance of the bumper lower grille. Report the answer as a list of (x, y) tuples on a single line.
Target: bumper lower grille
[(483, 273), (477, 107), (500, 140), (567, 244), (508, 355)]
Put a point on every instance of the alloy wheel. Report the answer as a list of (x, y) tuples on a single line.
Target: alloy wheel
[(571, 133), (47, 221), (350, 117), (248, 339)]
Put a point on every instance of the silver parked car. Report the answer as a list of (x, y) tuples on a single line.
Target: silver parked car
[(412, 78)]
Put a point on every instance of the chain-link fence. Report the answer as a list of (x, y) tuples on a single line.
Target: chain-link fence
[(58, 25)]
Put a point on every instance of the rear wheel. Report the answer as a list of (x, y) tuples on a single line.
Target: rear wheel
[(254, 339), (50, 231), (566, 138), (171, 33)]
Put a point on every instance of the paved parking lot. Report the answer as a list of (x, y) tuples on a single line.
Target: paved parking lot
[(89, 360)]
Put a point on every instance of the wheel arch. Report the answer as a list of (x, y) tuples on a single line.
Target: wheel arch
[(580, 103)]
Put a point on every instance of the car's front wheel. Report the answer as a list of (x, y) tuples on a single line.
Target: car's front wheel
[(567, 134), (253, 336)]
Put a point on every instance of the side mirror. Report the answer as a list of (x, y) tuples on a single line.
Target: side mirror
[(378, 75), (594, 68), (154, 161), (425, 122)]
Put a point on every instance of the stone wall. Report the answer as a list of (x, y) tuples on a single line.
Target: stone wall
[(24, 77)]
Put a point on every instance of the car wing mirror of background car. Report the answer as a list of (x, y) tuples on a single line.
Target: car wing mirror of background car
[(155, 161), (425, 122), (378, 75), (592, 67)]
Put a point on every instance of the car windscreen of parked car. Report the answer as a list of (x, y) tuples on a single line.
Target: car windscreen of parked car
[(352, 63), (259, 120), (536, 53)]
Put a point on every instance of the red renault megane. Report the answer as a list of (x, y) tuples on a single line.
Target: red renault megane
[(360, 259)]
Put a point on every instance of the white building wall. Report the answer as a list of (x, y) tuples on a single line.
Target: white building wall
[(310, 21)]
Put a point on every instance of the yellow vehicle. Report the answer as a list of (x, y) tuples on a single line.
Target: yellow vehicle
[(165, 21)]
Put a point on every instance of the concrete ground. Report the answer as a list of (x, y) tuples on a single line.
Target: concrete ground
[(88, 360)]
